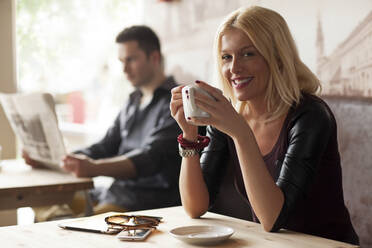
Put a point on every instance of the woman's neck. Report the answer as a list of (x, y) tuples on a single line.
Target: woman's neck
[(257, 110)]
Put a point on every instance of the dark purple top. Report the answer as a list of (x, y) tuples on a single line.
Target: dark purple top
[(307, 170)]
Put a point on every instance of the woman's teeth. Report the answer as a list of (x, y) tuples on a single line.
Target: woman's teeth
[(242, 81)]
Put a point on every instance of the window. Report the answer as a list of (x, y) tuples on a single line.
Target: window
[(68, 48)]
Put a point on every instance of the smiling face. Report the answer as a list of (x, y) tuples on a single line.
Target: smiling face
[(243, 66), (138, 67)]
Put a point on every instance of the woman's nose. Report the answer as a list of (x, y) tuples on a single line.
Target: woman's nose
[(235, 66)]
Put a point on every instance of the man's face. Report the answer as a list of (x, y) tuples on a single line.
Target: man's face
[(137, 66)]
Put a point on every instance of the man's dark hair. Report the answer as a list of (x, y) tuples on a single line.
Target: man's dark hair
[(147, 40)]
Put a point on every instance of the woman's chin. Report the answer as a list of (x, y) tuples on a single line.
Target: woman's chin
[(241, 97)]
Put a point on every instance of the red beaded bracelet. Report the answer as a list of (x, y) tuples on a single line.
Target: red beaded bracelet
[(201, 142)]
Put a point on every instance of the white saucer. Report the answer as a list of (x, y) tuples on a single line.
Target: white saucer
[(202, 235)]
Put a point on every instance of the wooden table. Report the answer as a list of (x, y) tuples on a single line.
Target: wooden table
[(247, 234), (22, 186)]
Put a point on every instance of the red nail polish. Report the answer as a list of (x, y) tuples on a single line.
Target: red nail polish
[(197, 81), (187, 96), (187, 92), (188, 118)]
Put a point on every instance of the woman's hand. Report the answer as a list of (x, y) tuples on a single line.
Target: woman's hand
[(190, 131), (223, 115), (193, 190)]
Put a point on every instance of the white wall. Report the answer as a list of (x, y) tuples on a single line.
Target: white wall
[(187, 30)]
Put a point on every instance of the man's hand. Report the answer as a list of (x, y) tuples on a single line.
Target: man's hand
[(80, 165), (33, 163)]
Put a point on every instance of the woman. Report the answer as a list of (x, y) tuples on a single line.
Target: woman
[(273, 156)]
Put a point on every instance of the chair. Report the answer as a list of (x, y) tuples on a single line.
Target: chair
[(354, 121)]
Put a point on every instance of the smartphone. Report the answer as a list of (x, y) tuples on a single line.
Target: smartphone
[(137, 235)]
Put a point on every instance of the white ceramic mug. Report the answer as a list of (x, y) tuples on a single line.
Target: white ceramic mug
[(189, 106)]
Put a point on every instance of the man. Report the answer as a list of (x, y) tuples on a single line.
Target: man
[(140, 149)]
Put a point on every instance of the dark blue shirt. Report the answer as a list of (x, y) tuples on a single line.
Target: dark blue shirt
[(147, 136)]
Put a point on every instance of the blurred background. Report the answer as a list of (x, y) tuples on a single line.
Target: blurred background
[(67, 48)]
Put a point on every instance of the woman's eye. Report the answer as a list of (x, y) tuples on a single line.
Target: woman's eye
[(248, 54), (225, 57)]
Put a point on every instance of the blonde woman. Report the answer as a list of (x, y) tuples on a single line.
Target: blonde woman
[(273, 154)]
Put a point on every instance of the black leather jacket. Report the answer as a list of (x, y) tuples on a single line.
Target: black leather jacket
[(308, 171)]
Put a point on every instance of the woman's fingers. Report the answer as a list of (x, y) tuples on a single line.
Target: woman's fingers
[(215, 92), (177, 89), (176, 101), (175, 105), (215, 105), (211, 105), (176, 96), (207, 106)]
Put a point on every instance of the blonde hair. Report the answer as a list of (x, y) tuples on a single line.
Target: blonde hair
[(289, 76)]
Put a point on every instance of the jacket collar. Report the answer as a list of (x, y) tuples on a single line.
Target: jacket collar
[(166, 86)]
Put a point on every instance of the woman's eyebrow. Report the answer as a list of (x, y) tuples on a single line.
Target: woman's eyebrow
[(242, 48), (246, 47)]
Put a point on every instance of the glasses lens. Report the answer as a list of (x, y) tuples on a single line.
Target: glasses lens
[(132, 222)]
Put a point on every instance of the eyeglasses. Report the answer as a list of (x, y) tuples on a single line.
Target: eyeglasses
[(132, 222)]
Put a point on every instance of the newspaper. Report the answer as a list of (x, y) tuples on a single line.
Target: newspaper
[(34, 120)]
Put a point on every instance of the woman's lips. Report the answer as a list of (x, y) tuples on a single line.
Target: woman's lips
[(241, 83)]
